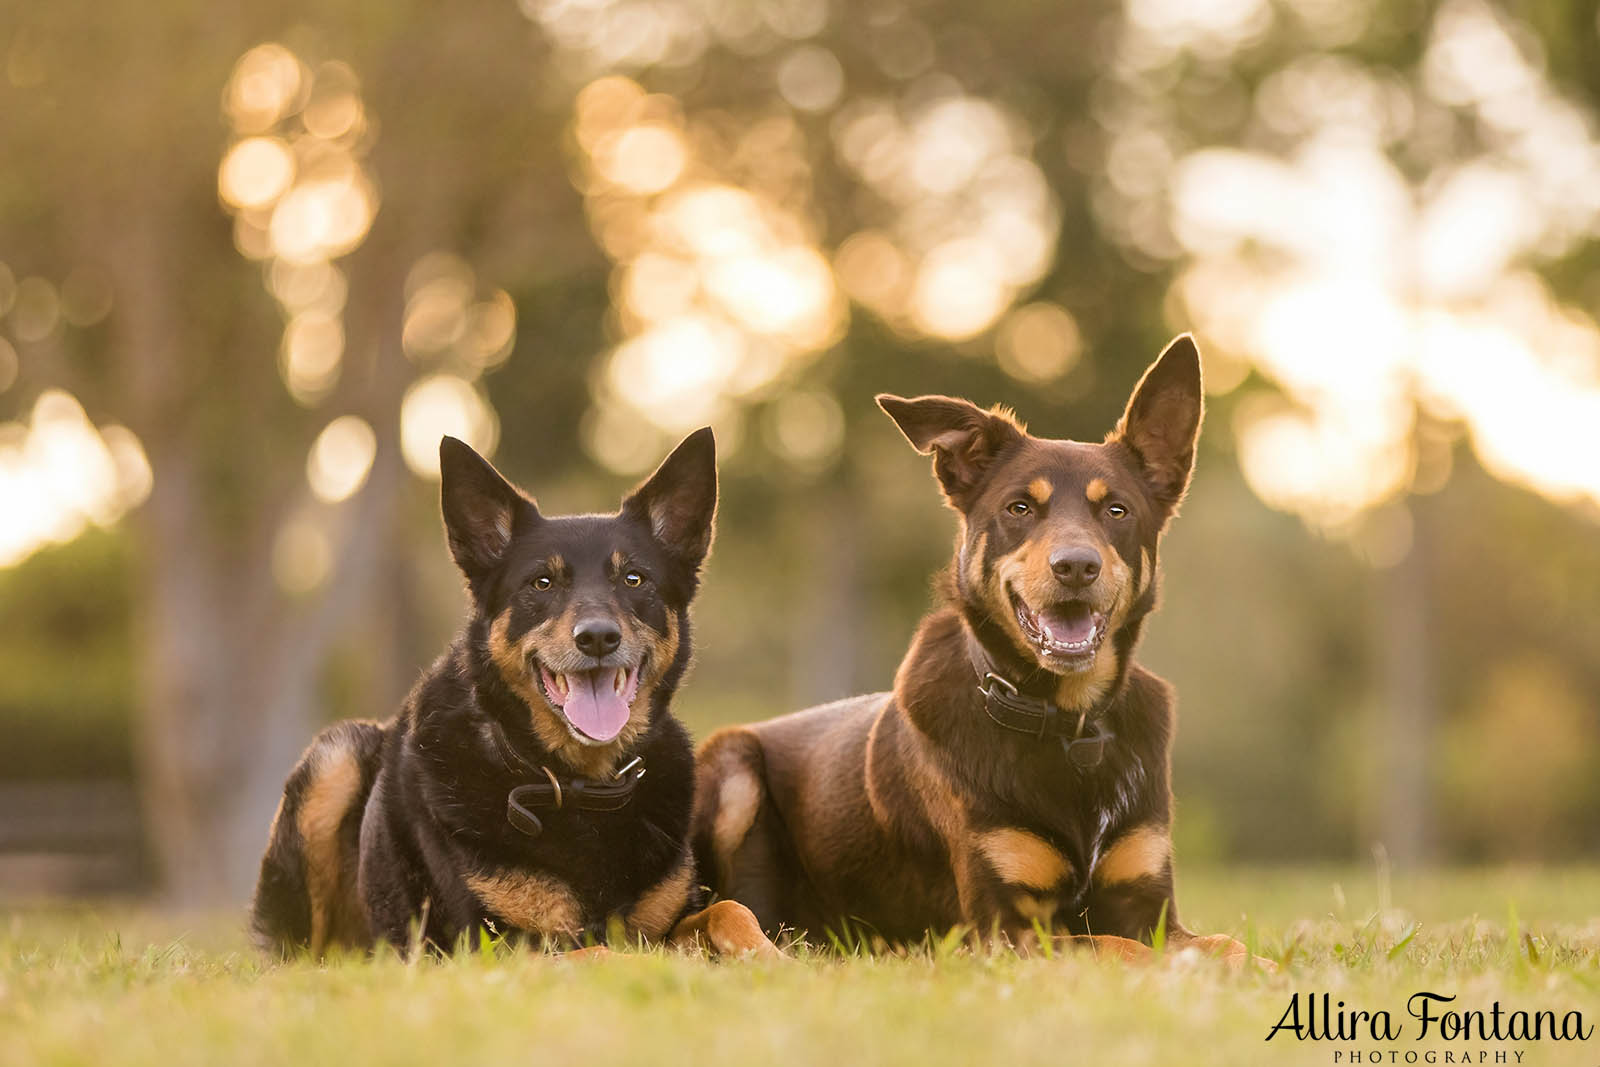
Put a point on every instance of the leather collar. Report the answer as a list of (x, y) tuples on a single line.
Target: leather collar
[(1083, 735), (582, 794), (557, 792)]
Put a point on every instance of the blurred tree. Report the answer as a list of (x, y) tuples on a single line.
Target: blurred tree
[(758, 216), (118, 173)]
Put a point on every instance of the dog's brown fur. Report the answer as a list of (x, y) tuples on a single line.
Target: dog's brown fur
[(910, 811)]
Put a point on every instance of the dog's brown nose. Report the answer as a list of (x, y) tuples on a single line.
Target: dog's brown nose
[(596, 637), (1076, 567)]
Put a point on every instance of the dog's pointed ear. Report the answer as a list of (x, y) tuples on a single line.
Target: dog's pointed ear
[(1162, 422), (679, 501), (481, 509), (964, 439)]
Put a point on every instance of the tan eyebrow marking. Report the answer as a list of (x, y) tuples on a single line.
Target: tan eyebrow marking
[(1096, 490), (617, 561), (1041, 489)]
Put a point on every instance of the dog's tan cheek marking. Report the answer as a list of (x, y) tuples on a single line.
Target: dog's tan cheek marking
[(1010, 570), (1040, 489), (1142, 851), (1023, 858), (327, 798), (512, 663), (1121, 576), (1146, 570), (1096, 490), (536, 903), (660, 905)]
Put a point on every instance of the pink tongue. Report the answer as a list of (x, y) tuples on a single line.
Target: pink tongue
[(1072, 624), (594, 706)]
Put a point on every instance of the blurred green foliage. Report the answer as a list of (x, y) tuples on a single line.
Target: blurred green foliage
[(67, 686)]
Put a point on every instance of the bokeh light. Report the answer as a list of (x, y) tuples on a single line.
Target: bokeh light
[(443, 404), (1038, 343), (301, 196), (341, 458), (10, 365), (446, 325), (59, 474), (302, 554), (1367, 295), (35, 310)]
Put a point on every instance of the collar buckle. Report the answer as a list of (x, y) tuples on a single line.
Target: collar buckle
[(1008, 707), (584, 795)]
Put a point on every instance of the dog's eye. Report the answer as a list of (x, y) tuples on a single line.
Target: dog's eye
[(633, 579), (542, 582), (1019, 507), (1116, 511)]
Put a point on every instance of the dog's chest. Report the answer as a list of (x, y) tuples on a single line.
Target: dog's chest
[(1084, 813), (579, 872)]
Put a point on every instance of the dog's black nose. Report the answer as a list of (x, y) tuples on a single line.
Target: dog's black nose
[(1077, 566), (596, 637)]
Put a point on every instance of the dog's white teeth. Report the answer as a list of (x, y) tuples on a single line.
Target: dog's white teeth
[(620, 680), (561, 686)]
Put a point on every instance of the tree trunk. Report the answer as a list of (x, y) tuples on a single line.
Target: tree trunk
[(825, 654), (230, 666), (1406, 704)]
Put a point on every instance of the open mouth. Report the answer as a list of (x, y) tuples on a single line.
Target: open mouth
[(596, 703), (1068, 633)]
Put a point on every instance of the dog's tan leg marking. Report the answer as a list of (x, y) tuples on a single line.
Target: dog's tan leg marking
[(534, 903), (1040, 489), (729, 928), (1144, 850), (1105, 946), (1232, 952), (333, 785), (652, 915), (1035, 907), (1024, 859), (1096, 490), (586, 954), (738, 801)]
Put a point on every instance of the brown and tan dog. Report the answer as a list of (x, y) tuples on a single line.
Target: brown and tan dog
[(1017, 776)]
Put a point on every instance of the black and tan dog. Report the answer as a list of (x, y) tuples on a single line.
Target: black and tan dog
[(1016, 778), (535, 783)]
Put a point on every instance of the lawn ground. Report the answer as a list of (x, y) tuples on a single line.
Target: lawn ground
[(118, 984)]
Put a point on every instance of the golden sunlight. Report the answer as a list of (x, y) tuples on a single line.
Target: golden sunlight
[(1367, 296), (443, 404), (341, 458), (59, 474), (301, 197), (255, 172)]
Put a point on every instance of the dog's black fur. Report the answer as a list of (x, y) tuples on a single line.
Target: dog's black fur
[(388, 830)]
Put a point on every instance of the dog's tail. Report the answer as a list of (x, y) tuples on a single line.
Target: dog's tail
[(306, 897), (730, 776)]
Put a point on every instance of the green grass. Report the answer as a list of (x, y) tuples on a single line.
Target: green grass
[(120, 985)]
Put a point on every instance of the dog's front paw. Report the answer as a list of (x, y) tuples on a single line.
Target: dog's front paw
[(1231, 951)]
